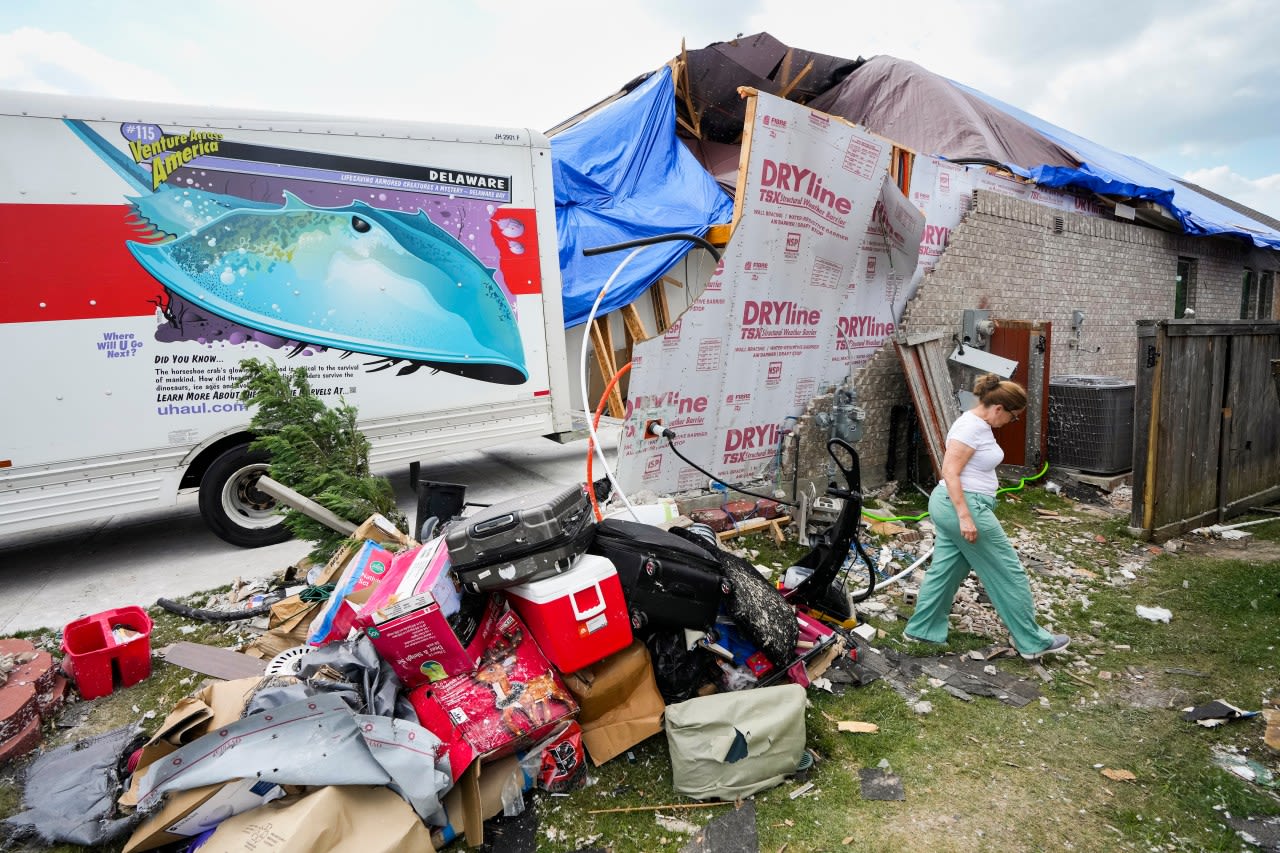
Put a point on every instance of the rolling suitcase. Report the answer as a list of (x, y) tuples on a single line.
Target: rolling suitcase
[(667, 581), (528, 538)]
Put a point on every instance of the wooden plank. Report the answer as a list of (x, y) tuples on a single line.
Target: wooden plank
[(790, 87), (213, 660), (754, 525), (748, 126), (1144, 371), (1148, 519), (682, 84), (602, 342), (661, 312), (935, 360), (1206, 328), (719, 234), (925, 414), (633, 324), (917, 338)]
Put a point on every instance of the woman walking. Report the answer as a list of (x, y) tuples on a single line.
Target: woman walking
[(968, 536)]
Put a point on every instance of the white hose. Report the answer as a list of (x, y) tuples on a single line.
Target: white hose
[(899, 576), (582, 376)]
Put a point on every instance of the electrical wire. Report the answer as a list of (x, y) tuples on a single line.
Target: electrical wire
[(582, 377), (604, 398), (639, 246), (699, 468)]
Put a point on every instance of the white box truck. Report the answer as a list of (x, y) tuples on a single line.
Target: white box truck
[(146, 249)]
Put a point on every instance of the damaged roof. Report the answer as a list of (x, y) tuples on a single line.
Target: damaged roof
[(931, 115)]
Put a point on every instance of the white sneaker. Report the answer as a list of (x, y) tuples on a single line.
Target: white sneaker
[(1059, 643)]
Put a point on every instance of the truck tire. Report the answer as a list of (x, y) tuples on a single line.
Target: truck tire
[(231, 504)]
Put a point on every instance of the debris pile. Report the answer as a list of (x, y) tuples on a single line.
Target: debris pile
[(439, 681)]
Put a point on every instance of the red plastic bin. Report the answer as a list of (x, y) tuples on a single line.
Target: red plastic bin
[(95, 658)]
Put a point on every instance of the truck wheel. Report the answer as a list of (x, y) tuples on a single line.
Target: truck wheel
[(231, 504)]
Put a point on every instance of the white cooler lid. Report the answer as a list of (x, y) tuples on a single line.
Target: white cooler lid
[(586, 571)]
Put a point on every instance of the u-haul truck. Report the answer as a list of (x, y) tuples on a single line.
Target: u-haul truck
[(146, 249)]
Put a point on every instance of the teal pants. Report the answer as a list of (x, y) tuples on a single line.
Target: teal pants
[(994, 561)]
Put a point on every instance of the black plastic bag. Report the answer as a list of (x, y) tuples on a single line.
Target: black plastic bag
[(678, 671), (755, 605)]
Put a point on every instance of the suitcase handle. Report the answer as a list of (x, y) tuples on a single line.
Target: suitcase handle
[(490, 526), (582, 615)]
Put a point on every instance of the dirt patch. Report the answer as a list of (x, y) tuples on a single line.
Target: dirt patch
[(1149, 689), (1248, 550)]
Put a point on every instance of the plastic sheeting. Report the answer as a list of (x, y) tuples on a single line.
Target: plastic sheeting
[(70, 794), (621, 174), (1104, 171), (317, 741)]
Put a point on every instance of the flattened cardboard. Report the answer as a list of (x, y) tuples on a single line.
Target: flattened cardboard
[(217, 704), (337, 819), (478, 796), (619, 700)]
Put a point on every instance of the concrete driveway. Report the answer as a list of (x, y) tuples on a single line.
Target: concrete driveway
[(54, 576)]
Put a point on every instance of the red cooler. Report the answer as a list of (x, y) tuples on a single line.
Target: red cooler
[(577, 617)]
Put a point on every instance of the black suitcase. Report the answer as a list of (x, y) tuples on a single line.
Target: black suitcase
[(528, 538), (668, 582)]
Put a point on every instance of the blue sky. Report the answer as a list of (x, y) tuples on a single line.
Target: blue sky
[(1191, 87)]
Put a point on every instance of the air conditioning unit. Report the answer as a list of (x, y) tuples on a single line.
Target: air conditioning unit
[(1091, 423)]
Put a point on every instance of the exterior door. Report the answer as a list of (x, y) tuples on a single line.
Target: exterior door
[(1027, 342)]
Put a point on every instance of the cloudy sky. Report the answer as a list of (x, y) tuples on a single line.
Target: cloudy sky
[(1191, 87)]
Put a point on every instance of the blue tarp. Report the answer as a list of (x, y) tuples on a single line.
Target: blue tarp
[(1109, 173), (622, 174)]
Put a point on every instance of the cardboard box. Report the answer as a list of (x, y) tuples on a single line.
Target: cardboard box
[(376, 528), (422, 570), (514, 699), (619, 700), (420, 646)]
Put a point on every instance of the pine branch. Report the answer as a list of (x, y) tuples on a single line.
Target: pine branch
[(316, 450)]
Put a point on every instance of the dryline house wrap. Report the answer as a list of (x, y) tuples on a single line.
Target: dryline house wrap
[(823, 242)]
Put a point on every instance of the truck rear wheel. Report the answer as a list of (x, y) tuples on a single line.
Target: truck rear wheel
[(232, 505)]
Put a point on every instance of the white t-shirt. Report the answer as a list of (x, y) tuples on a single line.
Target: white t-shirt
[(979, 474)]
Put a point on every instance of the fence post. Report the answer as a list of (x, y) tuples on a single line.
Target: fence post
[(1150, 495)]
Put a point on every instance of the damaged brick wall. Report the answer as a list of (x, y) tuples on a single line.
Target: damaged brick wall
[(808, 434), (1007, 256)]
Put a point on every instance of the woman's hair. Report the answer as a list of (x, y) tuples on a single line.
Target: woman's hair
[(994, 391)]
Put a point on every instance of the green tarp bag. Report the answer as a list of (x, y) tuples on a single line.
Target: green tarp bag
[(731, 745)]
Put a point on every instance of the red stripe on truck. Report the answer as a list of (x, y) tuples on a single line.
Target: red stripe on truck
[(69, 262)]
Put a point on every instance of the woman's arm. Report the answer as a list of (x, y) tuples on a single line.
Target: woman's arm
[(957, 456)]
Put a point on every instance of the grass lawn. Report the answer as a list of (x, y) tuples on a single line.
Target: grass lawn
[(979, 775)]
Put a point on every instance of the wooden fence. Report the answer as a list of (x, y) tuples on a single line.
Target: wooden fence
[(1206, 423)]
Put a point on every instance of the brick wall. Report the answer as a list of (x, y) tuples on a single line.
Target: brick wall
[(1008, 256)]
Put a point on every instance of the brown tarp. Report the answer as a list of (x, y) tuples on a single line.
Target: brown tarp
[(923, 111)]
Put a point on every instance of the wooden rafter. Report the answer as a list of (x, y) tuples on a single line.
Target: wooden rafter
[(602, 341)]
